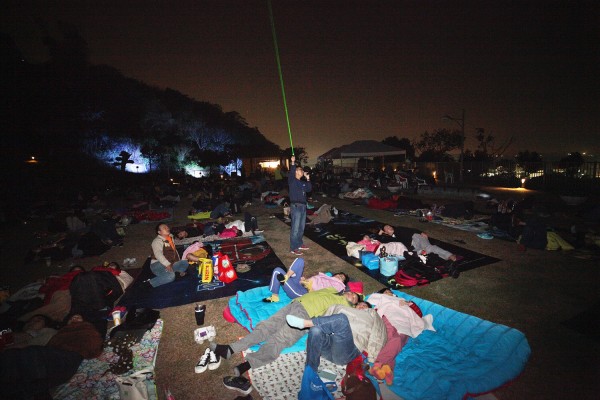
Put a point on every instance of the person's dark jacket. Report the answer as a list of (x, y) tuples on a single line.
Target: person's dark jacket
[(297, 187)]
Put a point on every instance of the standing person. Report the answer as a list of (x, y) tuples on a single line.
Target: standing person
[(165, 258), (298, 187)]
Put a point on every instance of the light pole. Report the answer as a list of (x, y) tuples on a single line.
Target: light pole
[(461, 123)]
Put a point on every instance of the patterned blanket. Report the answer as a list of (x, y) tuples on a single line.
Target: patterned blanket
[(94, 381), (281, 379)]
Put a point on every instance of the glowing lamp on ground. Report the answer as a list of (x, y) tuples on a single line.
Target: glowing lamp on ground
[(523, 182)]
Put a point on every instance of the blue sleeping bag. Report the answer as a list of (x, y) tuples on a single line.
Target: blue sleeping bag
[(466, 356), (249, 309)]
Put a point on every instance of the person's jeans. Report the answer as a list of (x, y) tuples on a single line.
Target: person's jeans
[(292, 286), (163, 276), (298, 216), (330, 338)]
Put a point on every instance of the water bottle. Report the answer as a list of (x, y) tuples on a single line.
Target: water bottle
[(199, 312), (215, 260)]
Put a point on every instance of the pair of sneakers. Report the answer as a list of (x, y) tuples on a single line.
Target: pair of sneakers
[(209, 360), (128, 262), (298, 251)]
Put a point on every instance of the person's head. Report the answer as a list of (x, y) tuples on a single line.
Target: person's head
[(352, 298), (386, 291), (76, 268), (114, 265), (363, 305), (163, 230), (182, 234), (299, 172), (388, 230), (342, 277)]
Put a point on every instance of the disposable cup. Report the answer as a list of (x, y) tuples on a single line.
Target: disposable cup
[(116, 317)]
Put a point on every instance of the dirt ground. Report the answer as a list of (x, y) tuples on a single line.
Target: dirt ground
[(532, 291)]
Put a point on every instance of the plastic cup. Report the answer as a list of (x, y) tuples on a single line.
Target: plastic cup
[(116, 317)]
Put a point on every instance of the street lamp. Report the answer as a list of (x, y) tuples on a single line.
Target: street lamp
[(461, 123)]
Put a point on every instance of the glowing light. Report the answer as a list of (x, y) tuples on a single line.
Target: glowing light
[(434, 174), (523, 182), (33, 157), (269, 164), (136, 168), (232, 168)]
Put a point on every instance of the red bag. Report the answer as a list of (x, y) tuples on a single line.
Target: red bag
[(227, 273)]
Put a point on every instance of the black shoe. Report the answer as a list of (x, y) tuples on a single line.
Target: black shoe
[(238, 383), (453, 270), (281, 278)]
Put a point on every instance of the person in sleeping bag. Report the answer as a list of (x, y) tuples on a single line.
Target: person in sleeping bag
[(402, 319), (277, 334), (342, 334), (295, 285)]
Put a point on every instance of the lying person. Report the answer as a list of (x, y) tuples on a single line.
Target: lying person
[(37, 331), (32, 371), (402, 319), (57, 297), (342, 334), (420, 242), (295, 285), (276, 333)]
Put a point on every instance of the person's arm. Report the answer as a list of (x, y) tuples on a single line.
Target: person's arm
[(292, 173)]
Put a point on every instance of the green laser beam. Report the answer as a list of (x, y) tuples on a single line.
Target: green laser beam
[(287, 117)]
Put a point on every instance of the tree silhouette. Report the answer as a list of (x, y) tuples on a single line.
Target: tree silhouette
[(435, 146), (122, 160), (403, 144)]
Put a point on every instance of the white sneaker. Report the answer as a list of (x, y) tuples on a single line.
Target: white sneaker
[(213, 361), (203, 363)]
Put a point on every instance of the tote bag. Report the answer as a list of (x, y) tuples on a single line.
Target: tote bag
[(313, 388), (133, 387)]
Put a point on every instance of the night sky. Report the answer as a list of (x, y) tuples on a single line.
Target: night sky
[(356, 69)]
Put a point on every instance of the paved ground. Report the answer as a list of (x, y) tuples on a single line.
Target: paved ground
[(532, 291)]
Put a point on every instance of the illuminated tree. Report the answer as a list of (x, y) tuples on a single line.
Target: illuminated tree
[(122, 160)]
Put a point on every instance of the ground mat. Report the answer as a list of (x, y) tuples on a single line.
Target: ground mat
[(586, 322), (348, 227), (190, 289)]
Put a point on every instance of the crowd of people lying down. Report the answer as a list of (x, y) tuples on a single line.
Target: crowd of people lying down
[(56, 322)]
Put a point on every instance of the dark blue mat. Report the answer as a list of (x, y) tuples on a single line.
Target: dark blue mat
[(190, 289), (348, 227)]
